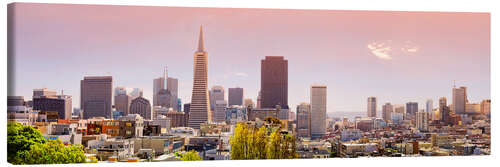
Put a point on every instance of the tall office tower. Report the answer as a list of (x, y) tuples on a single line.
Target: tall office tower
[(235, 96), (47, 101), (187, 107), (387, 110), (172, 87), (428, 106), (486, 106), (120, 90), (248, 103), (303, 120), (399, 109), (411, 108), (259, 100), (136, 92), (164, 98), (158, 84), (442, 102), (318, 111), (199, 109), (445, 114), (141, 106), (422, 121), (274, 82), (220, 111), (122, 100), (459, 100), (43, 92), (216, 93), (95, 96), (372, 107)]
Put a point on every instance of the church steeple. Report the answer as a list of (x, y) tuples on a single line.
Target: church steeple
[(200, 41)]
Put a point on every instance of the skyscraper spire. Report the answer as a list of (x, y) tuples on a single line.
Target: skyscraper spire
[(200, 41), (165, 77)]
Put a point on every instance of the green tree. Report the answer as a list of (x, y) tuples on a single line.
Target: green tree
[(54, 152), (274, 146), (190, 156), (261, 143), (26, 145), (239, 142), (20, 138), (252, 143)]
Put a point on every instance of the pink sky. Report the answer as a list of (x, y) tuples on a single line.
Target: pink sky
[(395, 56)]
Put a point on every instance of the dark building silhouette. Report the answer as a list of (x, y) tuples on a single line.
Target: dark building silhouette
[(95, 96), (142, 107), (235, 96), (274, 82)]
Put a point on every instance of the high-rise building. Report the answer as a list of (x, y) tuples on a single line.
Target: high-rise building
[(259, 100), (95, 96), (372, 107), (387, 110), (303, 120), (43, 92), (199, 109), (486, 106), (157, 86), (442, 102), (411, 108), (318, 111), (219, 114), (399, 109), (472, 108), (235, 96), (141, 106), (47, 101), (172, 87), (122, 100), (248, 103), (422, 121), (187, 106), (444, 110), (428, 106), (164, 99), (459, 100), (274, 82), (216, 93)]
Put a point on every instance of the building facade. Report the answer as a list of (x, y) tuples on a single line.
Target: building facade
[(304, 120), (387, 110), (216, 93), (199, 109), (411, 108), (62, 104), (372, 107), (235, 96), (318, 111), (459, 100), (274, 82), (142, 107), (220, 111), (429, 106), (122, 102), (95, 96)]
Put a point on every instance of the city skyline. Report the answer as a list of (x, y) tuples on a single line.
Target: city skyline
[(346, 92)]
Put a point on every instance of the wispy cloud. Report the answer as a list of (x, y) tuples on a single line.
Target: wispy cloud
[(384, 49), (381, 50)]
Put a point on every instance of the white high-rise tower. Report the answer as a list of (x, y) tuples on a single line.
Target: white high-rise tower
[(199, 109), (318, 111)]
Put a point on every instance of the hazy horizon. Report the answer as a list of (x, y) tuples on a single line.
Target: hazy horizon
[(395, 56)]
